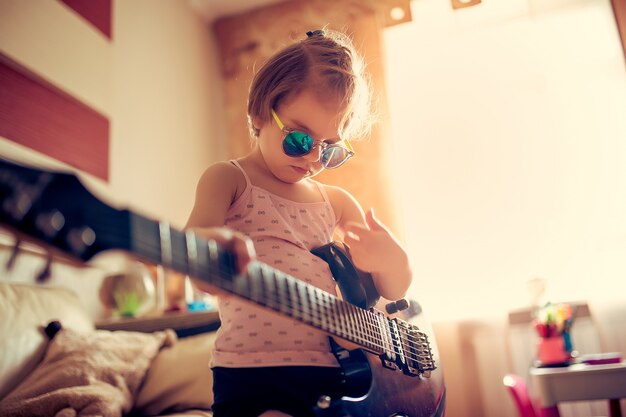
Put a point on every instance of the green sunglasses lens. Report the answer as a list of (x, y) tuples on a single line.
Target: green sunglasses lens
[(297, 144)]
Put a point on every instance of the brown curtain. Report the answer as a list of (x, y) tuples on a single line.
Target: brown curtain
[(248, 39)]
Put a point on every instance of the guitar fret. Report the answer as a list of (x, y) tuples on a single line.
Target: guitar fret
[(269, 280), (282, 294), (365, 326), (166, 244), (257, 290), (360, 326), (292, 295), (331, 313), (192, 253), (314, 308), (339, 318), (354, 324), (343, 319), (304, 302), (323, 309)]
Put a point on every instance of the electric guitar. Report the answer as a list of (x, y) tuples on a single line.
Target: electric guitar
[(394, 369)]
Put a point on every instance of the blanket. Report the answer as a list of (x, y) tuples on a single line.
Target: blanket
[(86, 374)]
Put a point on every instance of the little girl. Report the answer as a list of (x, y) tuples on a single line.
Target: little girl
[(304, 105)]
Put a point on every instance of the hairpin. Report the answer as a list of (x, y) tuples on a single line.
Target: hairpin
[(317, 32)]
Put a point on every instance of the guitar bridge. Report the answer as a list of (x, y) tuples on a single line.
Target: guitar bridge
[(408, 349), (418, 353)]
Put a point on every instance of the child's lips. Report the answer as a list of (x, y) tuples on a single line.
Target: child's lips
[(300, 170)]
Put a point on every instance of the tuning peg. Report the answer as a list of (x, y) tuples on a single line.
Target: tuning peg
[(50, 223), (396, 306), (17, 206), (81, 238), (45, 273), (14, 252)]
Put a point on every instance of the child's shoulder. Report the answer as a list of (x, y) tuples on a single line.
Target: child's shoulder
[(345, 206), (222, 170), (338, 194), (222, 174)]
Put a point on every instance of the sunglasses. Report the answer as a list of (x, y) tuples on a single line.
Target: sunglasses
[(297, 144)]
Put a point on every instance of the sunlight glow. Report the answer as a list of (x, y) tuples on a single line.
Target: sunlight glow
[(509, 136)]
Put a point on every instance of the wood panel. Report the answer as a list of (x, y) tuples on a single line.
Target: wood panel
[(38, 115), (96, 12), (619, 9)]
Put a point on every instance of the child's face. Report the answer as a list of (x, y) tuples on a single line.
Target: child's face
[(308, 113)]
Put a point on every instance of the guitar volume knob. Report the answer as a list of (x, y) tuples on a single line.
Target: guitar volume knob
[(324, 402)]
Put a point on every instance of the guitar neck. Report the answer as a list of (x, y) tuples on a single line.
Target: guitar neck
[(190, 254)]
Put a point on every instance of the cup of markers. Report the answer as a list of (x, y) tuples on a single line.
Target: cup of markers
[(553, 323)]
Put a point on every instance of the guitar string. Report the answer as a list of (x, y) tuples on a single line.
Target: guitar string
[(283, 296), (316, 319), (371, 338)]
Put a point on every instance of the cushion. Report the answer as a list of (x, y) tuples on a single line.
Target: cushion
[(25, 310), (93, 373), (179, 378)]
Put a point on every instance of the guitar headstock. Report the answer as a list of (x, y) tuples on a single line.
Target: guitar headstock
[(55, 209)]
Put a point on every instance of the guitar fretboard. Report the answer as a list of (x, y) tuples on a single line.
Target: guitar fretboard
[(203, 259)]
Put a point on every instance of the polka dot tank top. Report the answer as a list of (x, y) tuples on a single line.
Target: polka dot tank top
[(283, 232)]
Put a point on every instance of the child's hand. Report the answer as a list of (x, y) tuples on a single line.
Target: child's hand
[(234, 242), (374, 249)]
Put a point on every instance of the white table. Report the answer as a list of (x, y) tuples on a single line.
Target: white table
[(580, 382)]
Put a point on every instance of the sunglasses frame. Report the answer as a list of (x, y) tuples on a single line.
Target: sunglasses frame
[(323, 146)]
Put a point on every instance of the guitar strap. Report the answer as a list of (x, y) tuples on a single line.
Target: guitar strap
[(357, 287)]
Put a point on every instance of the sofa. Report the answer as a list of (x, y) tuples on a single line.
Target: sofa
[(53, 362)]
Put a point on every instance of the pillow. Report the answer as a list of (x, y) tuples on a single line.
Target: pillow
[(86, 374), (179, 378)]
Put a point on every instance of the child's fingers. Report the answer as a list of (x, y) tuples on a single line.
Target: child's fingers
[(355, 228), (234, 242), (372, 221), (244, 252)]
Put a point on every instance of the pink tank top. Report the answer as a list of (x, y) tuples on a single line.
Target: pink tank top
[(283, 233)]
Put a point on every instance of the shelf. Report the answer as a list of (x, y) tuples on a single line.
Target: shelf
[(183, 323)]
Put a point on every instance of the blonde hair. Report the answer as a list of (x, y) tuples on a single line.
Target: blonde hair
[(326, 61)]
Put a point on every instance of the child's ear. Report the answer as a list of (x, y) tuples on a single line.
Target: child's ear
[(257, 122)]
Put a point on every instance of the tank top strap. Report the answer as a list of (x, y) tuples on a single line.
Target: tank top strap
[(322, 190), (236, 163)]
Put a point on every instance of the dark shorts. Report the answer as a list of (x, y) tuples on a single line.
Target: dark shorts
[(248, 392)]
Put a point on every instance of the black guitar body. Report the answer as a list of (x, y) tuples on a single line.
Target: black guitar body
[(390, 393), (373, 390)]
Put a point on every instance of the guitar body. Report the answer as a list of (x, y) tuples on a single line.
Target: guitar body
[(377, 391), (394, 371), (391, 394), (374, 390)]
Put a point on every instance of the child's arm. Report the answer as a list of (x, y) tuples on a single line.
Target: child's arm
[(372, 246), (218, 187)]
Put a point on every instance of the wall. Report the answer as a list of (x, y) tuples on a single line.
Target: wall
[(157, 82)]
